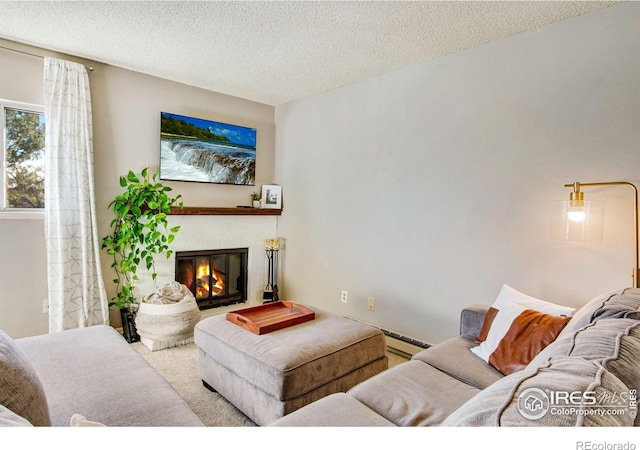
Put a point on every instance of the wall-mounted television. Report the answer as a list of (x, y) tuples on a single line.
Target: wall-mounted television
[(200, 150)]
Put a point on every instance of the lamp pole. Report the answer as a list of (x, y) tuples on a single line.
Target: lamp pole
[(636, 259)]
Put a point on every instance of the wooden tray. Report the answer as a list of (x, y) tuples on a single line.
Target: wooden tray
[(271, 316)]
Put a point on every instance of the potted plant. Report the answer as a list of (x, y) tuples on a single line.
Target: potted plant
[(255, 197), (139, 233)]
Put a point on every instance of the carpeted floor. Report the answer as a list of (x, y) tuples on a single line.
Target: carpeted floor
[(179, 366)]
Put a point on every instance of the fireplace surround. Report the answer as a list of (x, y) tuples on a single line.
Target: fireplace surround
[(213, 231)]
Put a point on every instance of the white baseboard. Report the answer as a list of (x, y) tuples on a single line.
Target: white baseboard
[(404, 348), (396, 341)]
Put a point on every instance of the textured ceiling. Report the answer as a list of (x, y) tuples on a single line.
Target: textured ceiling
[(272, 52)]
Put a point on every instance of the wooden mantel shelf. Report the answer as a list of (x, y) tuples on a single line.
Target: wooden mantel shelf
[(204, 211)]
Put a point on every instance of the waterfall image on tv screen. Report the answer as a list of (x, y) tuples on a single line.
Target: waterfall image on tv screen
[(201, 150)]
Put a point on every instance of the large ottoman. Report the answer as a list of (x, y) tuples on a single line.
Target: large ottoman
[(270, 375)]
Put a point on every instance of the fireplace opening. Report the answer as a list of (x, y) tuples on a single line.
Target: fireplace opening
[(215, 277)]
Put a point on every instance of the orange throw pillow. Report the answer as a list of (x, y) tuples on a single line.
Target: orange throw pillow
[(514, 334), (530, 332), (486, 325)]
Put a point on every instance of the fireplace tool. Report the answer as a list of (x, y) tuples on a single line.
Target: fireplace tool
[(272, 247)]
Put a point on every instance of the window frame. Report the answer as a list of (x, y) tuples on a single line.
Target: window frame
[(14, 213)]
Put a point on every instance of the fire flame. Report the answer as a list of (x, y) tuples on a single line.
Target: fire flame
[(202, 282)]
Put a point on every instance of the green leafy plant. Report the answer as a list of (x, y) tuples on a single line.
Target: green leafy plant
[(255, 196), (140, 231)]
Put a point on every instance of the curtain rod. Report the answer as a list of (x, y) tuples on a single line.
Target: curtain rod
[(90, 69)]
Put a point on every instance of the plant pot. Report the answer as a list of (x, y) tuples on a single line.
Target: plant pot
[(129, 331), (256, 204)]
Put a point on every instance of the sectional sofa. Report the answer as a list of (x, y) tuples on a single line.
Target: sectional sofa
[(587, 367), (84, 377)]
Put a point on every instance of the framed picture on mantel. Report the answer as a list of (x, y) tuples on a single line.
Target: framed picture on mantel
[(272, 196)]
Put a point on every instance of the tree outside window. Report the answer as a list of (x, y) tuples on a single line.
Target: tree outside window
[(24, 159)]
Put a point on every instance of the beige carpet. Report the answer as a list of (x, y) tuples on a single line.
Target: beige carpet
[(179, 366)]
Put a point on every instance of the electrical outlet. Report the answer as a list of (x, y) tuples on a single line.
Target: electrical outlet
[(371, 304), (45, 306), (344, 296)]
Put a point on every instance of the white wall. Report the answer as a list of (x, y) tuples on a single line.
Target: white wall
[(23, 267), (23, 277), (429, 187), (126, 122)]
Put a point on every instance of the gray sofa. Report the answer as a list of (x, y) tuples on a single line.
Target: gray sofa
[(84, 377), (448, 385)]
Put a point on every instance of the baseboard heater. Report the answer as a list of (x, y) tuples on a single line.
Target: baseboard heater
[(399, 342)]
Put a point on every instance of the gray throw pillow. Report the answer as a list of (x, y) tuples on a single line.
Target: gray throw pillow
[(10, 419), (20, 389), (619, 305), (603, 306), (614, 343), (538, 397)]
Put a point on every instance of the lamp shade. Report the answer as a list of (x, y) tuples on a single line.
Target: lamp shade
[(577, 221)]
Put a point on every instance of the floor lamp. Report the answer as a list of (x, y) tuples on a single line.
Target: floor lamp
[(574, 215)]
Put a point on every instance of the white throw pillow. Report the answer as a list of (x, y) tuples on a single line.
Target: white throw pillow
[(78, 420), (507, 293), (499, 326), (516, 335)]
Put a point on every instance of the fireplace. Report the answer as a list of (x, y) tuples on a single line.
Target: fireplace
[(215, 277)]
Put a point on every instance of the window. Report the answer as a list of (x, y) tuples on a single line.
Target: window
[(22, 163)]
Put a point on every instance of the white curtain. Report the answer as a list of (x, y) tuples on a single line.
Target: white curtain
[(77, 296)]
